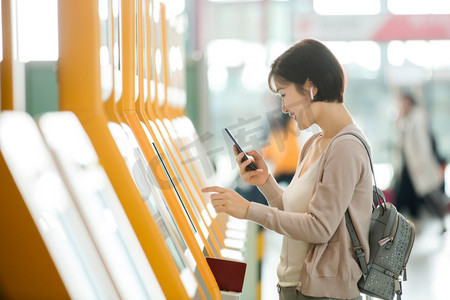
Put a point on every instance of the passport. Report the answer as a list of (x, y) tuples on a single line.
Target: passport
[(229, 274)]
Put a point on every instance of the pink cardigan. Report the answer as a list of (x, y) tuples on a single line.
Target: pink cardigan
[(344, 181)]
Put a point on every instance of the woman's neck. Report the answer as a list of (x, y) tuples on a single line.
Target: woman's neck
[(331, 118)]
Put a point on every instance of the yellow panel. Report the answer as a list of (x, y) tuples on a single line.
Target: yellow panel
[(7, 63), (185, 142), (80, 92), (135, 119), (193, 190), (127, 113), (159, 104), (160, 144), (173, 107), (125, 109), (27, 269)]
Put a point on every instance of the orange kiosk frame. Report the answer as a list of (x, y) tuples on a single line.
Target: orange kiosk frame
[(130, 110), (80, 92)]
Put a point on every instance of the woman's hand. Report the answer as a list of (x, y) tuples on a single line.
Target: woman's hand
[(228, 201), (255, 177)]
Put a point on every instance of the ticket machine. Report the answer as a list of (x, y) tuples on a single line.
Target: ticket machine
[(129, 132), (47, 251), (99, 206), (85, 83)]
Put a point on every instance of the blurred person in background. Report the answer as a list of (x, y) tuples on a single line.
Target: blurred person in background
[(317, 259), (419, 178), (282, 149)]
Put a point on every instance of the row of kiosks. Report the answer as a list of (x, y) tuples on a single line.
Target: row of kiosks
[(64, 233), (133, 115), (110, 188), (123, 122)]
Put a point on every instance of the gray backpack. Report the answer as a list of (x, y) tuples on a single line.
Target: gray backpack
[(391, 238)]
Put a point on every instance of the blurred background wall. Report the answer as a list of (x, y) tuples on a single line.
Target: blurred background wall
[(385, 46)]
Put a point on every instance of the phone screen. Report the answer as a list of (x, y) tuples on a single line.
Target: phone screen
[(249, 167)]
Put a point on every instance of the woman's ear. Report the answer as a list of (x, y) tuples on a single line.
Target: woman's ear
[(311, 88)]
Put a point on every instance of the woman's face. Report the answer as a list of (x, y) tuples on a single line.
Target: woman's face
[(297, 104)]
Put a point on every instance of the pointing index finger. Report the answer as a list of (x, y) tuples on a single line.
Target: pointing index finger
[(212, 189)]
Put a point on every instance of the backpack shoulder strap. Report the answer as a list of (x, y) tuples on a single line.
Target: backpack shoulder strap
[(359, 251), (378, 196), (356, 244)]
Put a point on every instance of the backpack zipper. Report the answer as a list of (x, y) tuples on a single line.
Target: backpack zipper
[(390, 238), (408, 251)]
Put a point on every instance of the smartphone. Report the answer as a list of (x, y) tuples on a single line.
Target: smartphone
[(251, 166)]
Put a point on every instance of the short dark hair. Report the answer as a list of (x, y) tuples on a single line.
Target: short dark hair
[(310, 59)]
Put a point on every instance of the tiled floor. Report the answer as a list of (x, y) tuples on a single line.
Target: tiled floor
[(428, 270)]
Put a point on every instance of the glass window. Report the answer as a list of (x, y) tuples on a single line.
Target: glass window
[(37, 25), (235, 1), (136, 51), (106, 48), (1, 34), (144, 49), (117, 48), (347, 7), (159, 63), (175, 7), (418, 7), (429, 54), (151, 50), (365, 54)]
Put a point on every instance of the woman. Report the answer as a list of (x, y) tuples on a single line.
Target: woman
[(317, 259), (419, 178)]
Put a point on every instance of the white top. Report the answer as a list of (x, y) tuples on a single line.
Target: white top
[(415, 143), (296, 198)]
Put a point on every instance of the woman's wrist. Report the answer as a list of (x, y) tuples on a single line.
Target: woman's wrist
[(265, 181)]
